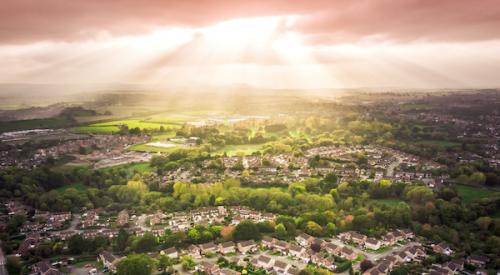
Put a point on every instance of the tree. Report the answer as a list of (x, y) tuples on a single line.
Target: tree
[(280, 231), (227, 232), (145, 243), (365, 265), (246, 230), (187, 262), (136, 264), (121, 241), (314, 229), (76, 244), (164, 262), (13, 265)]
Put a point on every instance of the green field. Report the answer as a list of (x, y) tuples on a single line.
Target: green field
[(133, 167), (388, 202), (34, 124), (148, 148), (442, 143), (234, 150), (149, 124), (98, 129), (473, 193)]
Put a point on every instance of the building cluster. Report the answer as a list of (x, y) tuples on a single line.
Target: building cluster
[(105, 150), (385, 265), (389, 239), (181, 221)]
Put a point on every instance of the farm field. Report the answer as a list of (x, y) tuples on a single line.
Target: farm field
[(472, 193), (143, 124), (48, 123)]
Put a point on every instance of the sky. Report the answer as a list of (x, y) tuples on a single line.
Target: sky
[(299, 44)]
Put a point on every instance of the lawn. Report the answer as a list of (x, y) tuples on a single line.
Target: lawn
[(77, 186), (472, 193), (234, 150)]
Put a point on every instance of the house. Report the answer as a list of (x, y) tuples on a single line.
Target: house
[(207, 248), (171, 252), (292, 271), (348, 253), (304, 239), (295, 250), (332, 248), (478, 260), (280, 267), (373, 271), (372, 244), (246, 246), (108, 260), (268, 242), (358, 238), (208, 268), (415, 252), (227, 271), (28, 244), (453, 267), (194, 251), (403, 257), (227, 247), (407, 233), (264, 262), (122, 218), (44, 268), (442, 248), (281, 246)]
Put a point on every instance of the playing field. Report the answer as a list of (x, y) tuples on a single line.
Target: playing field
[(473, 193), (235, 150)]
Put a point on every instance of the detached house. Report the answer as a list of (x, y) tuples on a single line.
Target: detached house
[(108, 260), (442, 248), (208, 248), (372, 244), (304, 239), (247, 246), (227, 247)]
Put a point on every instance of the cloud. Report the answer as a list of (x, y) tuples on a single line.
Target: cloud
[(403, 21), (322, 21)]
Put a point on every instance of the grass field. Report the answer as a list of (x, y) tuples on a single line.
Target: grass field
[(34, 124), (148, 148), (133, 167), (442, 143), (113, 126), (77, 186), (234, 150), (473, 193), (98, 129), (388, 202)]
